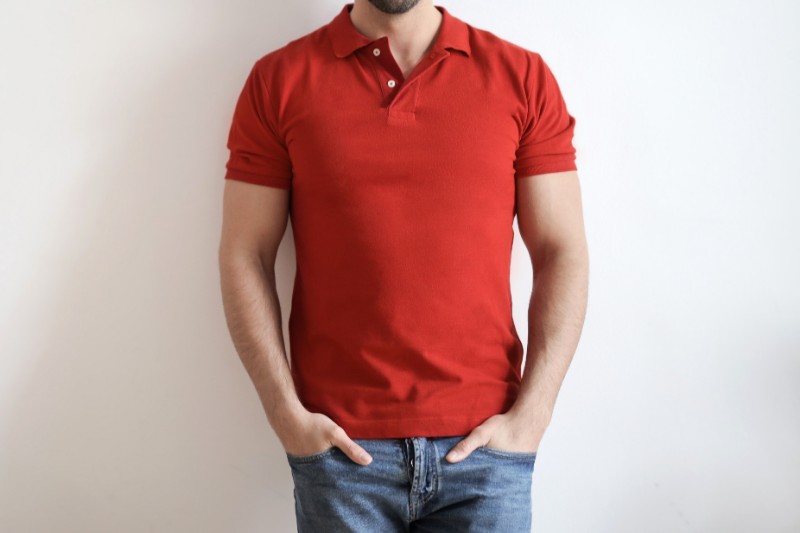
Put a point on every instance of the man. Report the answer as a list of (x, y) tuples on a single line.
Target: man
[(402, 142)]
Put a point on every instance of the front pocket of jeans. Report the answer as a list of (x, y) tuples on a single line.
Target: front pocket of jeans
[(529, 456), (310, 458)]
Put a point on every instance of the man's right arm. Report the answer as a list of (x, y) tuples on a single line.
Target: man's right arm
[(254, 221), (253, 224)]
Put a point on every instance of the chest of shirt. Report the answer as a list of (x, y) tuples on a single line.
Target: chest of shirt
[(350, 134)]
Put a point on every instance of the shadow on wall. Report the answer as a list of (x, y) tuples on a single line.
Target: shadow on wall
[(136, 414)]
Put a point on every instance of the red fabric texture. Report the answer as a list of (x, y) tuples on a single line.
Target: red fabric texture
[(402, 203)]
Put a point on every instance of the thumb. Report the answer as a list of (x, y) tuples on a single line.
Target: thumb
[(465, 446), (350, 447)]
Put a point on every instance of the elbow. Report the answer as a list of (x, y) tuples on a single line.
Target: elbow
[(572, 253), (235, 257)]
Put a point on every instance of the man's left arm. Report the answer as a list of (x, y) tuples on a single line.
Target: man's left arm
[(550, 220)]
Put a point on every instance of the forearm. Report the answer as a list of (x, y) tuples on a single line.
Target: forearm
[(555, 320), (253, 315)]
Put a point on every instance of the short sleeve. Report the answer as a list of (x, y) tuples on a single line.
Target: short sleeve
[(546, 141), (257, 153)]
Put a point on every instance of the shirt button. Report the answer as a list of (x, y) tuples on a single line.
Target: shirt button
[(390, 83), (376, 51)]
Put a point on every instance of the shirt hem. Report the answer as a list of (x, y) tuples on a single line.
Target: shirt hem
[(388, 428), (546, 168), (258, 179)]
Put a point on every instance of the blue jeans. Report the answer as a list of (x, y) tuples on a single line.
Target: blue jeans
[(410, 487)]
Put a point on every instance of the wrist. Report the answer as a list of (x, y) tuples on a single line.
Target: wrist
[(285, 411), (531, 413)]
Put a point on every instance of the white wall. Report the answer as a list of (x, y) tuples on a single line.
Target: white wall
[(123, 406)]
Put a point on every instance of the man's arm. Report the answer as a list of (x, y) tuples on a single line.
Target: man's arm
[(550, 220), (253, 224)]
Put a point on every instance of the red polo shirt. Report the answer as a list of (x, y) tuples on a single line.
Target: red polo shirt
[(402, 202)]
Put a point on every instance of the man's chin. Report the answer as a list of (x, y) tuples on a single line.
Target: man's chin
[(394, 7)]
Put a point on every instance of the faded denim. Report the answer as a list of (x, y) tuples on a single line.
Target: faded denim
[(411, 487)]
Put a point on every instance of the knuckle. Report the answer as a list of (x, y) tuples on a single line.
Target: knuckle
[(478, 438)]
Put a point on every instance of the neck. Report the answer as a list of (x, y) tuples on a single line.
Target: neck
[(411, 34)]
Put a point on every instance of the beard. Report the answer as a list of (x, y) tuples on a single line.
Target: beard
[(394, 6)]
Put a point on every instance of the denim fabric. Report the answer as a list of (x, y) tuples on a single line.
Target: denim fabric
[(410, 487)]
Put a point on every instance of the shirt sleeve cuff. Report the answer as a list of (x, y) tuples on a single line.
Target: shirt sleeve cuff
[(545, 168), (282, 182)]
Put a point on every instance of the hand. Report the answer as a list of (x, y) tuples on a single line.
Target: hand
[(310, 433), (507, 431)]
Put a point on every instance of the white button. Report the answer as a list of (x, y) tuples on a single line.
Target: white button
[(391, 83), (376, 51)]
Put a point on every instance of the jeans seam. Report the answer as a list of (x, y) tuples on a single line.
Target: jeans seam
[(310, 458), (520, 456)]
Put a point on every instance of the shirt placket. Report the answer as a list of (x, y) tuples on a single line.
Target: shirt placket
[(399, 94)]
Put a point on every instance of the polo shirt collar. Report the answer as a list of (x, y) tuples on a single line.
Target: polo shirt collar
[(346, 39)]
